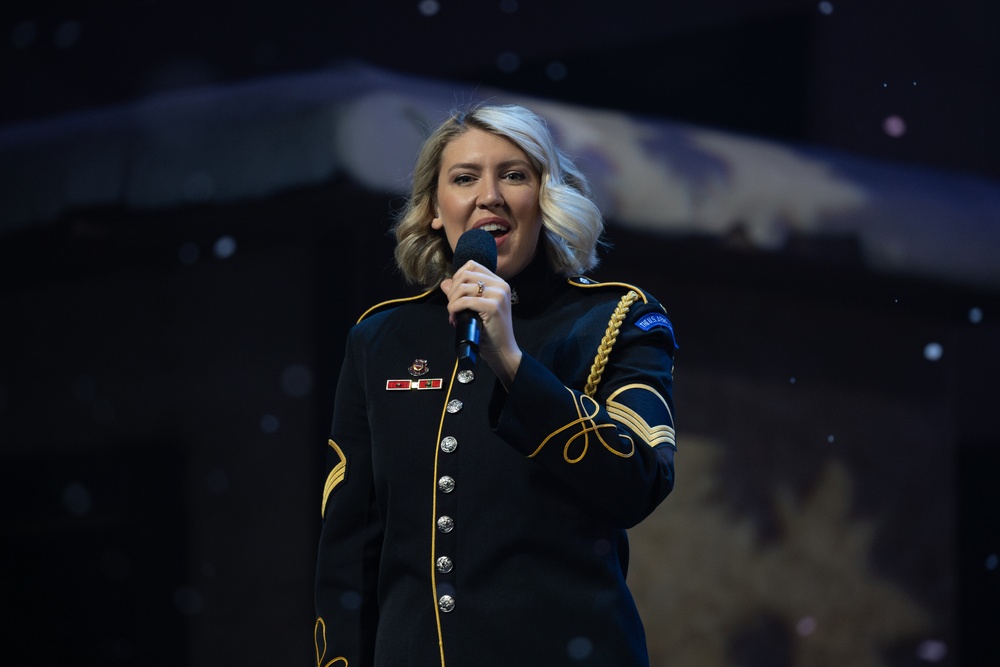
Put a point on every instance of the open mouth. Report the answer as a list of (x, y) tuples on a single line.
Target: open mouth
[(496, 229)]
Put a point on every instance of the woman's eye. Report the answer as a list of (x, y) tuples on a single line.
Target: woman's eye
[(463, 178), (514, 176)]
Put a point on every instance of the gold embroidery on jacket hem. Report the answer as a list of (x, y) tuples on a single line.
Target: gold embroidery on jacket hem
[(335, 477), (319, 633)]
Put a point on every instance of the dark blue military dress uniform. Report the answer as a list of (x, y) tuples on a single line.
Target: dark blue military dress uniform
[(468, 526)]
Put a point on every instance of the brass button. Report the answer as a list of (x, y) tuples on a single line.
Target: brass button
[(446, 484), (446, 524), (449, 444), (446, 603), (454, 405)]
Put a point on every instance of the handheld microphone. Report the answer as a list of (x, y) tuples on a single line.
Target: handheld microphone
[(479, 246)]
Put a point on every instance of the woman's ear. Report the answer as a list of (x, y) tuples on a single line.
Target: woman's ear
[(436, 221)]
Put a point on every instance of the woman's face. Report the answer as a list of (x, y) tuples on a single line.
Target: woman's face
[(486, 181)]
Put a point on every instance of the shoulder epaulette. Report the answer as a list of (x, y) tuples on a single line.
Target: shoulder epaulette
[(395, 302), (587, 283)]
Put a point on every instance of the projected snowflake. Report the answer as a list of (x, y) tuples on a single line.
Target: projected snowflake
[(709, 588)]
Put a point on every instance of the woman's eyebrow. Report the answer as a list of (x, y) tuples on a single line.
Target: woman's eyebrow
[(477, 165)]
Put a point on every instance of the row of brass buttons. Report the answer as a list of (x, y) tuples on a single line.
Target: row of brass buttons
[(446, 524)]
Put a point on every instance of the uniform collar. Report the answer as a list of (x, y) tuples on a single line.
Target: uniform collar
[(536, 286)]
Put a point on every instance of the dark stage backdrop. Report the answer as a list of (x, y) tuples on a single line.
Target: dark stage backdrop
[(166, 384), (184, 241)]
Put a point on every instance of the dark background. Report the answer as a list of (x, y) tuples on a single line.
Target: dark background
[(163, 405), (803, 71)]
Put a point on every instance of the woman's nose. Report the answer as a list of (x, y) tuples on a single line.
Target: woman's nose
[(489, 194)]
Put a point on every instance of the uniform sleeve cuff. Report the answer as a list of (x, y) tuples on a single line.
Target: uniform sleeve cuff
[(529, 407)]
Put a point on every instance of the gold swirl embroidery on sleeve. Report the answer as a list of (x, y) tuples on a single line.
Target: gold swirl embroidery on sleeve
[(587, 426), (633, 421), (335, 477), (319, 637)]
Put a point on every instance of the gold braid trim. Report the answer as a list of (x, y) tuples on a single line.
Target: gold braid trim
[(610, 336)]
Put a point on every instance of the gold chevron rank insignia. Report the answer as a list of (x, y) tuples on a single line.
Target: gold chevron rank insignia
[(653, 435)]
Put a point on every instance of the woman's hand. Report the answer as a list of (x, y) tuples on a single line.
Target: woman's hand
[(476, 288)]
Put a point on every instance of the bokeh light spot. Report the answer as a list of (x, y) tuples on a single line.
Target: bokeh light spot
[(792, 380), (429, 7), (85, 389), (350, 600), (67, 34), (296, 380), (602, 548), (932, 650), (508, 62), (556, 71), (992, 562), (933, 351), (830, 438), (806, 626), (188, 600), (894, 126), (218, 481), (77, 499), (826, 8), (579, 648), (225, 247), (975, 315), (117, 650), (24, 34), (269, 424)]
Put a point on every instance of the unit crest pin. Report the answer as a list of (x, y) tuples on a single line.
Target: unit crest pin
[(418, 368)]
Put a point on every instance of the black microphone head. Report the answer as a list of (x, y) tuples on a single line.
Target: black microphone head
[(477, 245)]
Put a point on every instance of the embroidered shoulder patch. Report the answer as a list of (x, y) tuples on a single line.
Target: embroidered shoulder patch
[(653, 320)]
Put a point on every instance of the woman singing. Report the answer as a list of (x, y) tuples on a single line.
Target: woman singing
[(477, 516)]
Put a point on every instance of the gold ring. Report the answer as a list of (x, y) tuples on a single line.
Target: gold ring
[(482, 285)]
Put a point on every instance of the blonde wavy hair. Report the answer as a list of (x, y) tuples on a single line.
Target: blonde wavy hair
[(571, 222)]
